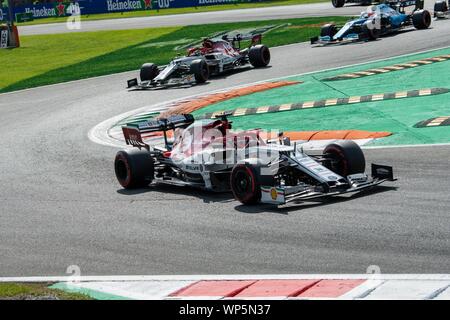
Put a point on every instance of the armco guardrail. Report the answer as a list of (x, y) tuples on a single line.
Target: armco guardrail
[(65, 8)]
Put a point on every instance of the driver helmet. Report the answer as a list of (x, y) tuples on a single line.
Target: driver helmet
[(208, 44)]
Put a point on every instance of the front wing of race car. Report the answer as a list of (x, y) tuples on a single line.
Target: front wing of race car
[(188, 79), (327, 40), (357, 182)]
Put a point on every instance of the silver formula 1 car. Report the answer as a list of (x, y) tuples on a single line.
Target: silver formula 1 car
[(255, 166), (376, 21), (214, 56)]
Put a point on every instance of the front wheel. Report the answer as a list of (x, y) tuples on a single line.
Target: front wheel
[(328, 30), (149, 71), (245, 183), (200, 70), (421, 19), (345, 158), (338, 3), (259, 56), (134, 168)]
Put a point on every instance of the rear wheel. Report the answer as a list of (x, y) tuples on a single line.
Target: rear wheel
[(259, 56), (328, 30), (149, 71), (338, 3), (134, 168), (421, 19), (200, 70), (440, 6), (346, 158)]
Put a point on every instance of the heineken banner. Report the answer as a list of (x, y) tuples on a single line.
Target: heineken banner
[(65, 8)]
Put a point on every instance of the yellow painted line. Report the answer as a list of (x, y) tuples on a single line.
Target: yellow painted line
[(437, 59), (409, 65), (365, 73), (402, 94), (239, 112), (379, 70), (351, 75), (439, 120), (262, 109), (425, 92), (285, 107), (394, 68), (331, 102), (354, 100), (217, 113), (377, 97), (308, 104), (423, 62)]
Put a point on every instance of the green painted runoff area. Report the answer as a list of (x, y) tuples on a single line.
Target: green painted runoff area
[(397, 116)]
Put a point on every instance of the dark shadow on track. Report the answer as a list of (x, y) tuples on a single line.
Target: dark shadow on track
[(211, 197), (320, 202), (222, 76), (157, 190)]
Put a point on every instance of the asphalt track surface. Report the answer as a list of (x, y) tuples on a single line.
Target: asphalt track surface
[(61, 205)]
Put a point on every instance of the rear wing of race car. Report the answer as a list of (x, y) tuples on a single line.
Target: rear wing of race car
[(132, 132), (236, 39)]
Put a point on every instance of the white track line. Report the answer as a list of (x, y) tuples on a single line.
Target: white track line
[(373, 277)]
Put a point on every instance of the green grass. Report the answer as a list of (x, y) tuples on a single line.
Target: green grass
[(59, 58), (149, 13), (40, 54), (20, 291)]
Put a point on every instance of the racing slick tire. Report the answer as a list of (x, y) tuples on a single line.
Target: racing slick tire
[(245, 182), (328, 30), (338, 3), (347, 158), (371, 33), (134, 168), (421, 19), (259, 56), (440, 6), (149, 71), (200, 70)]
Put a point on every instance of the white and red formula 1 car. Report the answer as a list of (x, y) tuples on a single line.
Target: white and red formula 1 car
[(207, 154)]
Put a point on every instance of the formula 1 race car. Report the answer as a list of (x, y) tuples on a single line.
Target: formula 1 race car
[(255, 166), (213, 57), (441, 10), (376, 21)]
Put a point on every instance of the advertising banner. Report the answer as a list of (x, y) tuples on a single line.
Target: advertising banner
[(63, 7)]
